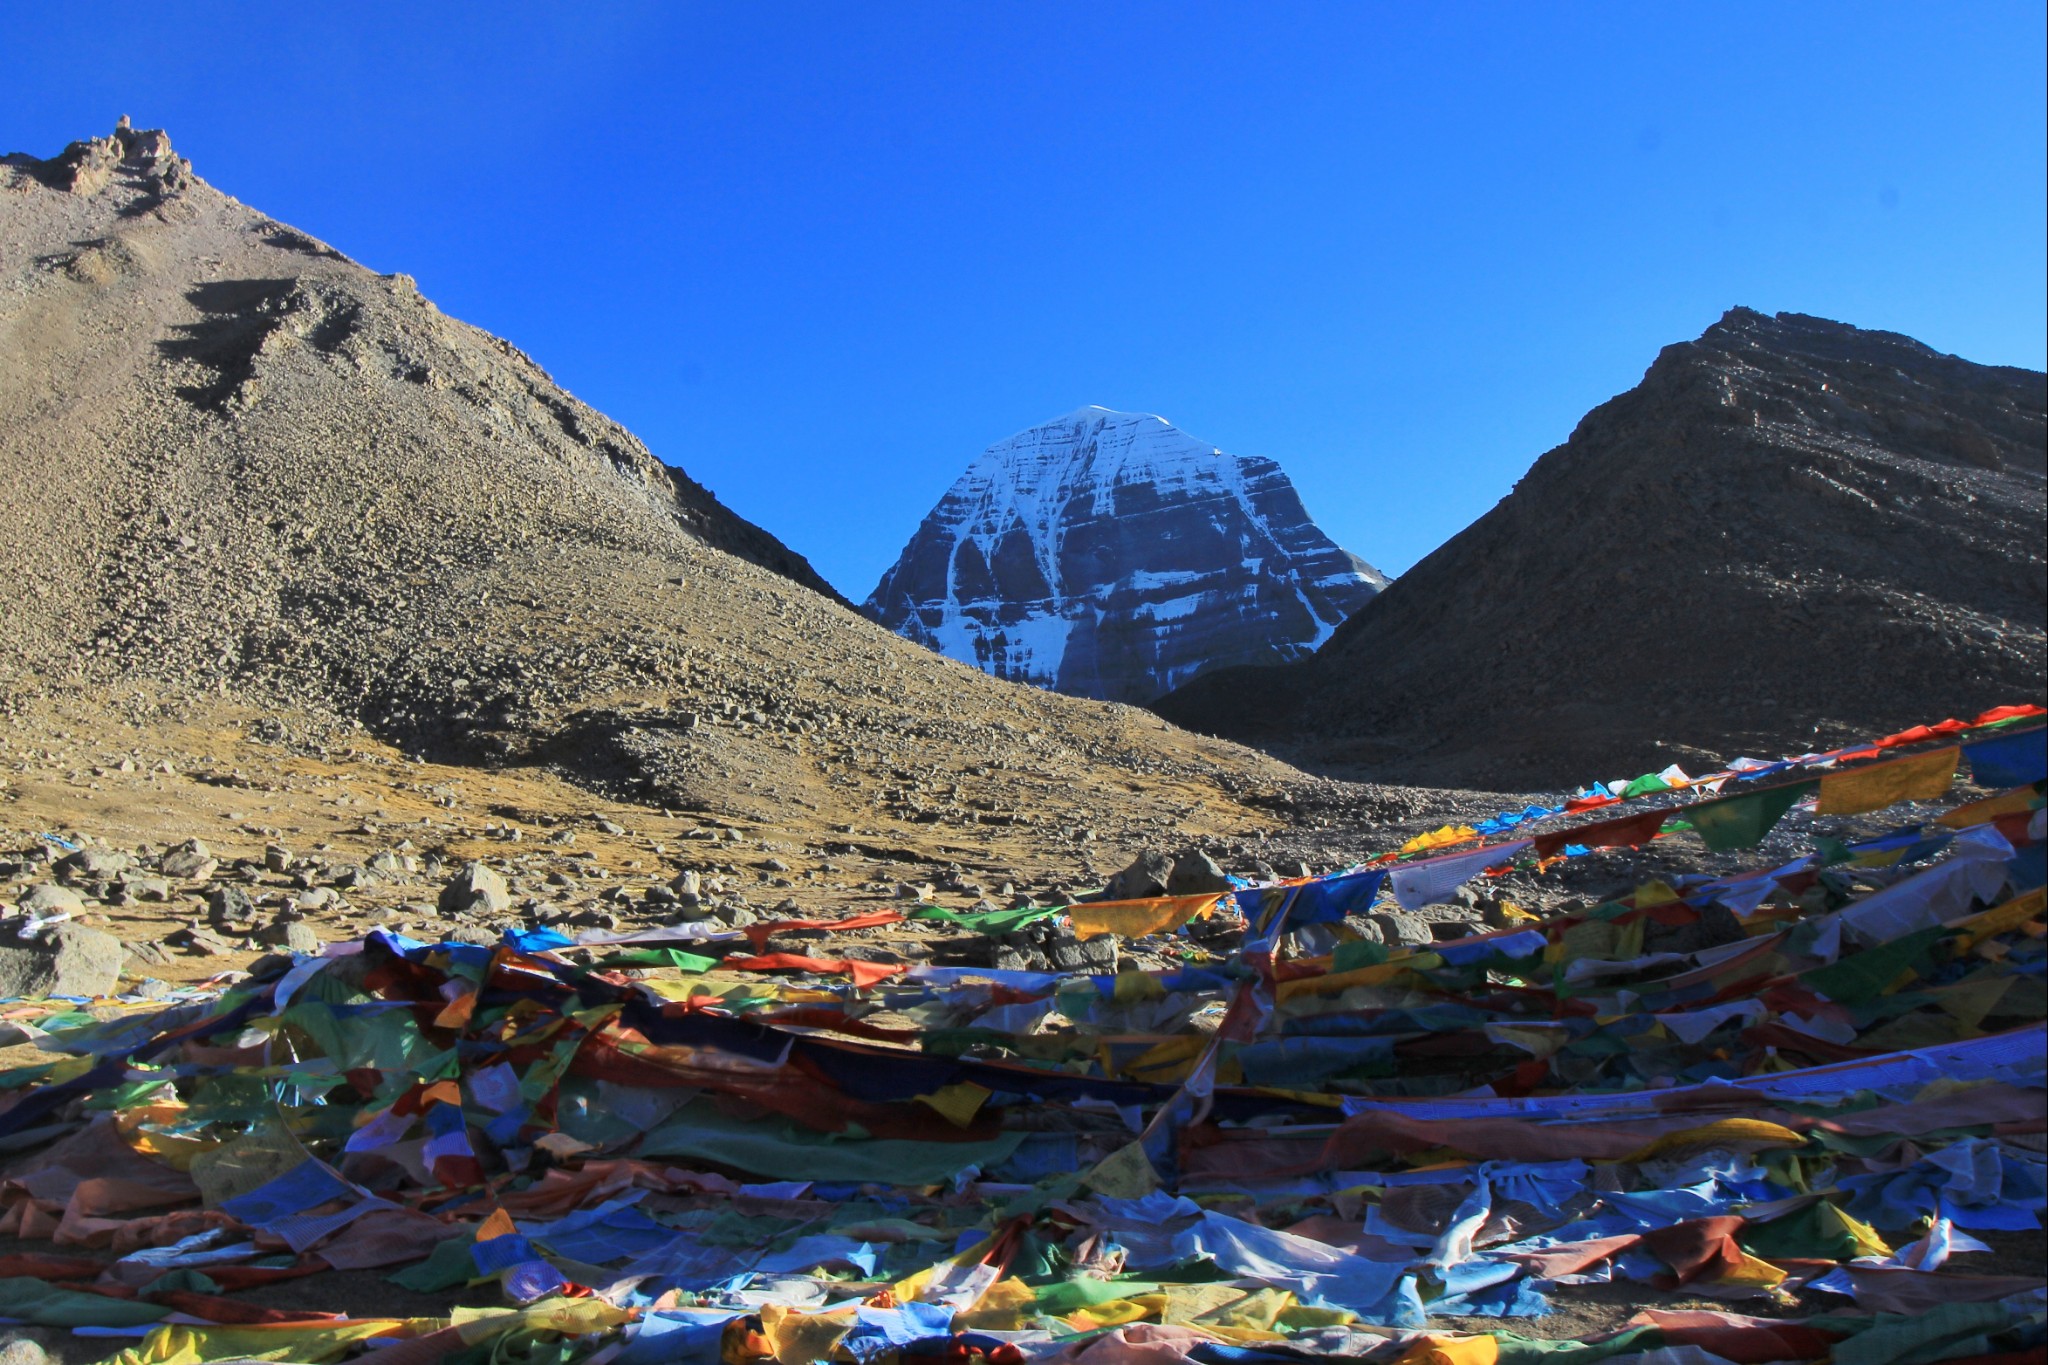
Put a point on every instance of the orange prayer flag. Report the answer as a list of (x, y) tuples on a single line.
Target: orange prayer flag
[(1135, 919)]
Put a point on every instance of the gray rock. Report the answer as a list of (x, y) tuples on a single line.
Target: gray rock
[(65, 959), (384, 863), (190, 861), (294, 936), (1448, 930), (317, 898), (1195, 873), (92, 865), (351, 877), (202, 941), (277, 858), (476, 890), (1440, 912), (146, 888), (913, 891), (1399, 929), (1144, 878), (1070, 954), (1364, 928), (47, 898), (149, 954), (230, 904)]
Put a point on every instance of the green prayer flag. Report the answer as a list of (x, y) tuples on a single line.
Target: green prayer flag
[(449, 1264), (1863, 977), (1743, 821), (657, 957), (989, 922), (1644, 785), (1358, 953)]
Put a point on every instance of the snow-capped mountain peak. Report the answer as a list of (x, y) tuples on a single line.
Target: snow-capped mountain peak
[(1110, 554)]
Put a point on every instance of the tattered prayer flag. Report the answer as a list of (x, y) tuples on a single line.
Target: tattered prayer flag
[(1332, 898), (1742, 821), (990, 922), (864, 974), (2008, 760), (1125, 1173), (1135, 919), (2016, 802), (1439, 838), (1419, 884), (1919, 778), (657, 957), (1627, 831), (759, 934)]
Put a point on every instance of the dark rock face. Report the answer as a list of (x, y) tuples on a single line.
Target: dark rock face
[(1791, 533), (1109, 555)]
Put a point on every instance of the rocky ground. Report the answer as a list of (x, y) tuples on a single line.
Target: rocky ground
[(202, 846)]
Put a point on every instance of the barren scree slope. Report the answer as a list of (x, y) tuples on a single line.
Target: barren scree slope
[(256, 488), (1791, 533)]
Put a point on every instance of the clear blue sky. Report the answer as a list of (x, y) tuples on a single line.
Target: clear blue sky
[(820, 255)]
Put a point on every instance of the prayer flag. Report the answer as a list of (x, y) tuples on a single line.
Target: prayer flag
[(1919, 778), (1742, 821)]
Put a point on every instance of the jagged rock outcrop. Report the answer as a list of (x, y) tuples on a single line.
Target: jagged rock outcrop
[(1109, 554), (1792, 532)]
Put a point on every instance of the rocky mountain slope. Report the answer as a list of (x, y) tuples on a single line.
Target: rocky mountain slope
[(1109, 554), (1790, 532), (249, 478)]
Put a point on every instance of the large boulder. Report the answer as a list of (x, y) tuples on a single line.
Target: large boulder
[(1195, 873), (1145, 878), (92, 865), (476, 890), (47, 898), (64, 959)]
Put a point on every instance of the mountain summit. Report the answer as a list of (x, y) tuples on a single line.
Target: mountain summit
[(1791, 532), (1111, 555)]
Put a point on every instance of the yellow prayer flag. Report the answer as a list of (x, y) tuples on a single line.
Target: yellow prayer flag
[(798, 1338), (2015, 802), (959, 1103), (1125, 1173), (1434, 1350), (1112, 1313), (1437, 838), (178, 1344), (1135, 919), (2000, 918), (1003, 1309), (1723, 1133), (1920, 778)]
